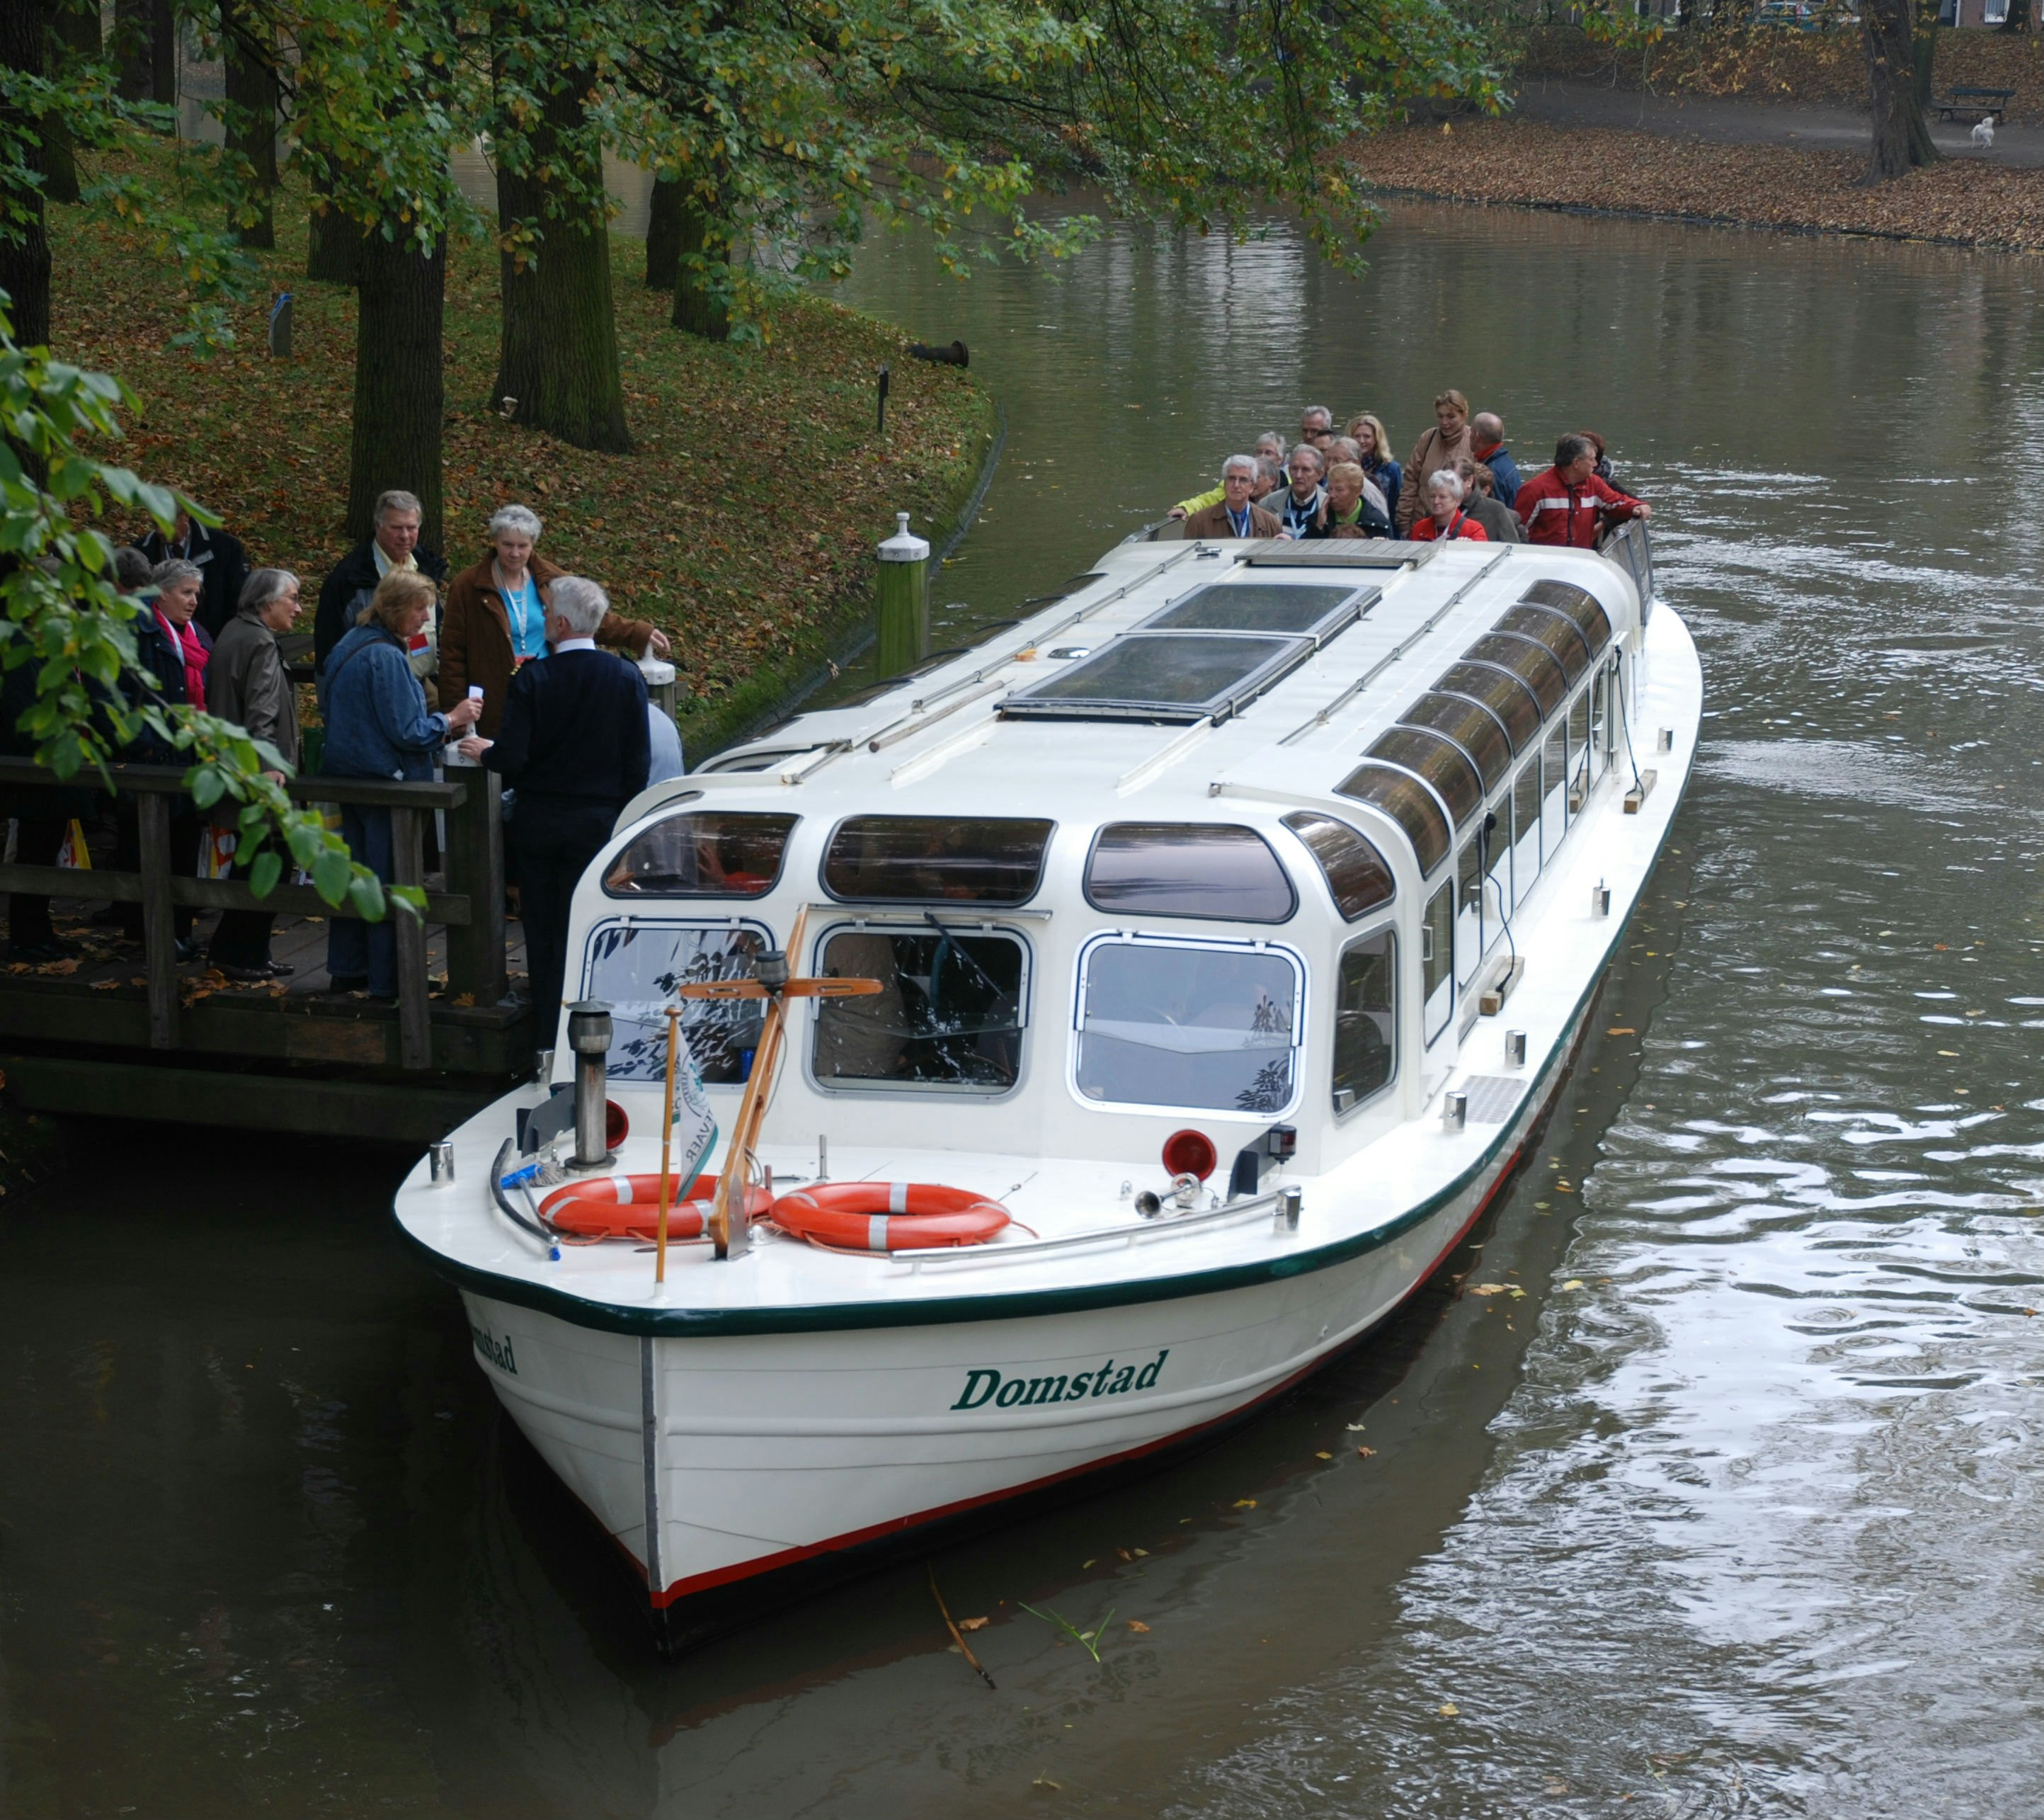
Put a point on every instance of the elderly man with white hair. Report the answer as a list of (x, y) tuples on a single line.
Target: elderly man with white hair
[(576, 746), (496, 618), (1233, 515)]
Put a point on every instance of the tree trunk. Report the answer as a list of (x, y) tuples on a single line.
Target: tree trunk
[(702, 306), (146, 44), (400, 392), (557, 364), (663, 234), (251, 42), (1901, 141), (1923, 52), (333, 245), (74, 34), (25, 250)]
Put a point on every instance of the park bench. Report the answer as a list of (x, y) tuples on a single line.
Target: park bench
[(1982, 103)]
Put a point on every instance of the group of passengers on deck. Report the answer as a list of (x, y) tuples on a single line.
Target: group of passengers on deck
[(1460, 481)]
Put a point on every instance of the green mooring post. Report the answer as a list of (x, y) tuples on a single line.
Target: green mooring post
[(905, 599)]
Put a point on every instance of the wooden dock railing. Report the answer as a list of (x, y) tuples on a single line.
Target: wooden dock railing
[(470, 905)]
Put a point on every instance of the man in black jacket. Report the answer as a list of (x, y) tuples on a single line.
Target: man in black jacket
[(393, 544), (576, 746), (223, 567)]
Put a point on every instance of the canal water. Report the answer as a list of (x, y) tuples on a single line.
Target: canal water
[(1704, 1483)]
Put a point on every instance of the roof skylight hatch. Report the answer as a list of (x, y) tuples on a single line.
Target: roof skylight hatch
[(1177, 677)]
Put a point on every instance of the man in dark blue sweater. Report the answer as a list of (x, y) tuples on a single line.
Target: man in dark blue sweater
[(575, 745)]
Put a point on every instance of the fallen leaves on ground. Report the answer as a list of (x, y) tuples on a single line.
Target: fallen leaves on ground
[(974, 1623), (1137, 1626), (1959, 201), (733, 445), (1366, 1453), (1245, 1503)]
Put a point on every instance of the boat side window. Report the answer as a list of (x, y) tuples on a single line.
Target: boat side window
[(949, 1014), (1525, 830), (1469, 908), (1579, 752), (1188, 868), (1207, 1026), (1366, 1021), (1437, 759), (1531, 662), (1436, 959), (935, 859), (634, 966), (702, 853), (1500, 691), (1408, 802), (1601, 722), (1557, 631), (1554, 787), (1472, 728), (1579, 604), (1357, 878)]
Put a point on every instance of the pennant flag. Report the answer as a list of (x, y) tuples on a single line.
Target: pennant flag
[(695, 1124)]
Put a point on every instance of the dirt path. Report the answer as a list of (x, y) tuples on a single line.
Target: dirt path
[(1802, 125)]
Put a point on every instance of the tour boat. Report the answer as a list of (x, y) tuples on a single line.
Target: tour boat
[(1142, 1006)]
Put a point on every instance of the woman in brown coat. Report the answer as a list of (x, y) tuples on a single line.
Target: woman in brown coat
[(1441, 447), (496, 618)]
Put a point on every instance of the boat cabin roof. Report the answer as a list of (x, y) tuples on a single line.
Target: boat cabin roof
[(1379, 679)]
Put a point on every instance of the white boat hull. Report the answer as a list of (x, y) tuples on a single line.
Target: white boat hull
[(713, 1461)]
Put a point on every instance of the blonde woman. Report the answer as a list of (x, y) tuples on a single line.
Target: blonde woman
[(1374, 443)]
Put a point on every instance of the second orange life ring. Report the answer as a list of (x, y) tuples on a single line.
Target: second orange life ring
[(889, 1216), (628, 1207)]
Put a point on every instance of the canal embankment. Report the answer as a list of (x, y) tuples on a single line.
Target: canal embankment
[(1969, 199), (742, 522)]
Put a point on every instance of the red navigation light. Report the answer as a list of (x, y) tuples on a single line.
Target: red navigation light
[(615, 1125), (1190, 1153)]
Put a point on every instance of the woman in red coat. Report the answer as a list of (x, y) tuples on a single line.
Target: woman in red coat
[(1444, 516)]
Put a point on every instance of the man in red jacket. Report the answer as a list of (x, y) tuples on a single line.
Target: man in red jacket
[(1568, 503)]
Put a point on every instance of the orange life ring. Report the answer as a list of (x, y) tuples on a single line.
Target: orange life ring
[(628, 1207), (888, 1216)]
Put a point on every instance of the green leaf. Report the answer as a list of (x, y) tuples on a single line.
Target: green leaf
[(263, 877)]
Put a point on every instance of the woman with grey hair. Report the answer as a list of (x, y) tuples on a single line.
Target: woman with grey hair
[(246, 684), (496, 618)]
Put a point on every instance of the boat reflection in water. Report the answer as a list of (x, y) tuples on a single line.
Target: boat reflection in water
[(1227, 929)]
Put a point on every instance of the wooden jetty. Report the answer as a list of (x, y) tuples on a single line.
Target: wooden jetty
[(127, 1031)]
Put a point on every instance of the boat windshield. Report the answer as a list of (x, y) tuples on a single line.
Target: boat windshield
[(702, 853), (1188, 868), (634, 966), (949, 1013), (1196, 1026), (1357, 878), (935, 859)]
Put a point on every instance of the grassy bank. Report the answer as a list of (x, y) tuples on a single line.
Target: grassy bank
[(1958, 203), (743, 523), (1762, 62)]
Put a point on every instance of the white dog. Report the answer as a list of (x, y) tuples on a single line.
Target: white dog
[(1984, 134)]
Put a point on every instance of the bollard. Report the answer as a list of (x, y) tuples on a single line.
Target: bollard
[(280, 327), (589, 1036), (905, 599)]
